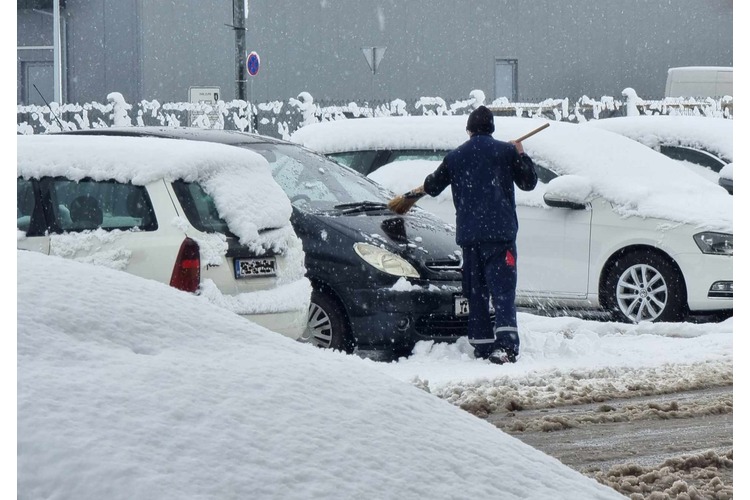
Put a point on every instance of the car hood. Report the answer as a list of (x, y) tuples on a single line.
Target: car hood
[(418, 236)]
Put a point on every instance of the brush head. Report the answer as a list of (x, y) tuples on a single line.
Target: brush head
[(403, 203)]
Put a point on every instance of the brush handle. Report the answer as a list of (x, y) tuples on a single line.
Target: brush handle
[(415, 193), (535, 131)]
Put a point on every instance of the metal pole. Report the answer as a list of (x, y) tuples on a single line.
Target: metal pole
[(57, 59), (239, 37)]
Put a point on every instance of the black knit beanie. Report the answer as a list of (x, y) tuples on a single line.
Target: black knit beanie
[(481, 121)]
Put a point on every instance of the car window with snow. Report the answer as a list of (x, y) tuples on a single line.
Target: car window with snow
[(200, 208), (89, 204), (315, 183), (25, 203)]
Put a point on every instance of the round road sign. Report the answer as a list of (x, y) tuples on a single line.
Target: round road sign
[(253, 63)]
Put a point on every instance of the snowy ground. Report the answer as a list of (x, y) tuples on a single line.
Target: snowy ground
[(155, 390), (151, 400), (580, 387), (128, 388)]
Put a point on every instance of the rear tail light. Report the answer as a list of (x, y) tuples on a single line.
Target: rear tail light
[(186, 274)]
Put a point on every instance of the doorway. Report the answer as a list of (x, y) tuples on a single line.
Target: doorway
[(506, 79)]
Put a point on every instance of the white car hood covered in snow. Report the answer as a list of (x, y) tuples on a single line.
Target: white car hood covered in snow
[(130, 389), (635, 179), (710, 134)]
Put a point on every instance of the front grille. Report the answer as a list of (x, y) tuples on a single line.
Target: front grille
[(441, 326), (444, 264)]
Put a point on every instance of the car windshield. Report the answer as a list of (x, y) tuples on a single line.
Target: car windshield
[(315, 183)]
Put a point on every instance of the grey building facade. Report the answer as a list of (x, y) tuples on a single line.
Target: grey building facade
[(524, 50)]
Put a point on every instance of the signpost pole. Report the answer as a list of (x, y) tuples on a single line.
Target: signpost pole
[(238, 22), (252, 64)]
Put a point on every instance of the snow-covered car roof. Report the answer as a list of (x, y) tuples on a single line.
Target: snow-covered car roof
[(710, 134), (637, 180), (238, 180), (200, 403)]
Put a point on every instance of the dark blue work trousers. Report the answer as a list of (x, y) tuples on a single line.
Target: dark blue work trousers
[(490, 271)]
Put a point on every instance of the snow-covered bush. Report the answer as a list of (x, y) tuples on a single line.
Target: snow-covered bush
[(282, 118)]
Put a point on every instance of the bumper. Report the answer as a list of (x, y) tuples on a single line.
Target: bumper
[(289, 323), (700, 273), (384, 318)]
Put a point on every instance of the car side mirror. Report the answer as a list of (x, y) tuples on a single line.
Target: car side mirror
[(568, 191), (726, 177)]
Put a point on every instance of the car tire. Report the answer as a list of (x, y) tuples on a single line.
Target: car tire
[(645, 286), (327, 326)]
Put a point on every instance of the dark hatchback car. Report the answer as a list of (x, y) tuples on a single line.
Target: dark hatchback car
[(381, 281)]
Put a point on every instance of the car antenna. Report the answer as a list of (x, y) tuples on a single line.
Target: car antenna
[(50, 107)]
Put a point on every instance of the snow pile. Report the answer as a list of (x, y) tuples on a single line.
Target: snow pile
[(130, 389), (672, 478)]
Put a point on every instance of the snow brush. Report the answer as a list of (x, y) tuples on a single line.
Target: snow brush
[(404, 202)]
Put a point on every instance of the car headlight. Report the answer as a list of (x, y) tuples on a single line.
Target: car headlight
[(385, 261), (715, 243)]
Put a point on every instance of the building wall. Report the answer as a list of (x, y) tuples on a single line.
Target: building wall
[(158, 49), (187, 44), (102, 49), (144, 49), (34, 29), (447, 48)]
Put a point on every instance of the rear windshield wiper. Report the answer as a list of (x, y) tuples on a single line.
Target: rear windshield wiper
[(361, 206)]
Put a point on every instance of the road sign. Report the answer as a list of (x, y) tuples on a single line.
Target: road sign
[(209, 95), (203, 116), (373, 55), (253, 63)]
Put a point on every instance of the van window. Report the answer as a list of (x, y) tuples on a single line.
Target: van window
[(89, 204)]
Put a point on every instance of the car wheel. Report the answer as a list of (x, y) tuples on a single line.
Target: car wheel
[(327, 326), (644, 286)]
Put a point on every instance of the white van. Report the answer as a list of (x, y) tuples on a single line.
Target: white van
[(699, 81)]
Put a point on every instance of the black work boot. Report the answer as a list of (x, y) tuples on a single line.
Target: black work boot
[(500, 357)]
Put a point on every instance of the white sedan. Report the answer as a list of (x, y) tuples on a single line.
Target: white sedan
[(612, 224)]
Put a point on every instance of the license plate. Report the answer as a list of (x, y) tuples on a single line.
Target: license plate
[(255, 268), (461, 306)]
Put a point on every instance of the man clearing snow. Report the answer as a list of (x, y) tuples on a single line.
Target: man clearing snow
[(481, 173)]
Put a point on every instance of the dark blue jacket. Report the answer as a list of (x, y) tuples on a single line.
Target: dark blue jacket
[(481, 173)]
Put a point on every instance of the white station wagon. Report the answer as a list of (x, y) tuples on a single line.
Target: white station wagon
[(203, 218), (612, 224)]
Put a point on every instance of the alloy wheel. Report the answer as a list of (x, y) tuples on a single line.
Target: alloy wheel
[(642, 293), (319, 329)]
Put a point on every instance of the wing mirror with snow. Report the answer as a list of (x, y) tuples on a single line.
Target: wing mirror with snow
[(568, 191)]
